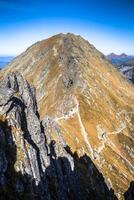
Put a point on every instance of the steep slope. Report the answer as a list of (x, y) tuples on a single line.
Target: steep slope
[(32, 164), (86, 101)]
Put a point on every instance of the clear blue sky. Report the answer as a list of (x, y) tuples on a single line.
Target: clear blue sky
[(108, 24)]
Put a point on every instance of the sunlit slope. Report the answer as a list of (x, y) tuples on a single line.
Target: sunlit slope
[(86, 100)]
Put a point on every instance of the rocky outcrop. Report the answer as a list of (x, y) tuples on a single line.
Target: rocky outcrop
[(32, 164), (83, 102)]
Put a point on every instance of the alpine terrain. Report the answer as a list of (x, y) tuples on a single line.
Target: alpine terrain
[(66, 124), (124, 63)]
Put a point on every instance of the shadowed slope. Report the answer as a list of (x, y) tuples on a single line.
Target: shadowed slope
[(84, 182)]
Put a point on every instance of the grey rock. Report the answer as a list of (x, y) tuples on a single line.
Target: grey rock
[(32, 164), (5, 95)]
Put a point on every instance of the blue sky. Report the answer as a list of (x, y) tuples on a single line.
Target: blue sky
[(108, 24)]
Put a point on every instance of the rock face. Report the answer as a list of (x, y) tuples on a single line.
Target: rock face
[(31, 163), (124, 63), (127, 68), (85, 124)]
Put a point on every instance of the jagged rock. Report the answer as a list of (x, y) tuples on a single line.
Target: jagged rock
[(32, 164), (78, 89), (3, 160), (101, 132), (5, 95)]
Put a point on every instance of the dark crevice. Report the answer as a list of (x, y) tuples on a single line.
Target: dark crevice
[(129, 194), (26, 134), (82, 183)]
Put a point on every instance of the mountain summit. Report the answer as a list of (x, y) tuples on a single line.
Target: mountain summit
[(86, 105)]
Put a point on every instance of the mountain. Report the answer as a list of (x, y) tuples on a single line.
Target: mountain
[(127, 68), (119, 59), (32, 164), (124, 63), (85, 111), (4, 60)]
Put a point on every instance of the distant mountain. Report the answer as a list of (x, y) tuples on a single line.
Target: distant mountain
[(124, 62), (127, 68), (119, 59), (4, 60)]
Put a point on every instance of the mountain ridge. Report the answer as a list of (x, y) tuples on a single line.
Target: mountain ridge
[(119, 59), (124, 63), (86, 100), (33, 165)]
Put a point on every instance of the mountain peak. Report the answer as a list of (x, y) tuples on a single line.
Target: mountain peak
[(113, 55), (123, 55), (87, 102)]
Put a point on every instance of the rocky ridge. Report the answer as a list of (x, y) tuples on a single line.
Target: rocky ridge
[(32, 164), (85, 104)]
